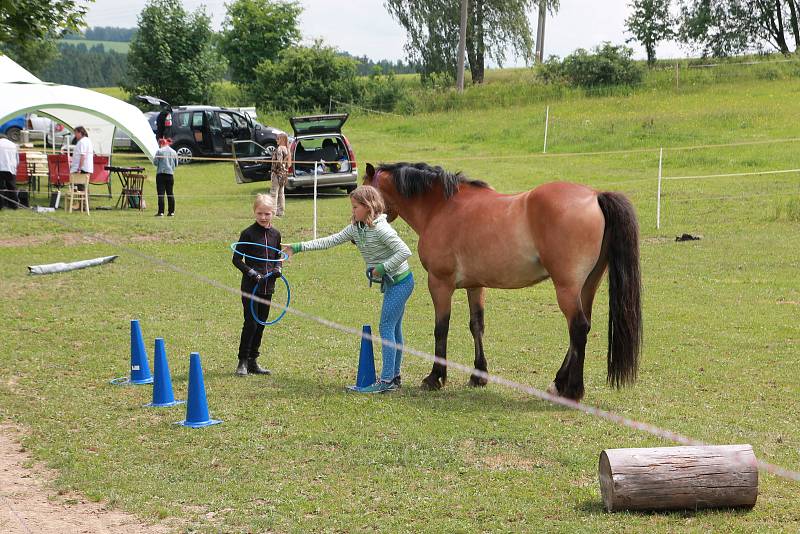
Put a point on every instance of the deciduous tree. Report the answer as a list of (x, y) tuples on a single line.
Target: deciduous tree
[(255, 30), (172, 55), (493, 28), (727, 27), (28, 28), (650, 23)]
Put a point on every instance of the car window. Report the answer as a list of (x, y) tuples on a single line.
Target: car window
[(197, 119), (240, 121), (226, 120), (180, 119)]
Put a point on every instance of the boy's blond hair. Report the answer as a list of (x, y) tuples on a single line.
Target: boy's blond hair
[(265, 200), (370, 197)]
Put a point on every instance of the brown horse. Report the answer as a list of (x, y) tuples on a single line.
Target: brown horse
[(472, 237)]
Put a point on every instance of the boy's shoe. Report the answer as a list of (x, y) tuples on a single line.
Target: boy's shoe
[(397, 381), (241, 370), (159, 214), (378, 387), (254, 369), (170, 215)]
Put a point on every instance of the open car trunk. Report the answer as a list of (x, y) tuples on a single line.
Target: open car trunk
[(318, 124)]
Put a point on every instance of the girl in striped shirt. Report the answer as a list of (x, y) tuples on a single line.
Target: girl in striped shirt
[(386, 257)]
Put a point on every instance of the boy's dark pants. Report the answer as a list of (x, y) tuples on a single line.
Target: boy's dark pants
[(164, 185), (252, 331)]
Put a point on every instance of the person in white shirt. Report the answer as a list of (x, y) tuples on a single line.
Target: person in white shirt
[(83, 156), (9, 159)]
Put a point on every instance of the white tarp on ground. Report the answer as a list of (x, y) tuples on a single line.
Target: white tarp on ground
[(50, 268), (21, 92)]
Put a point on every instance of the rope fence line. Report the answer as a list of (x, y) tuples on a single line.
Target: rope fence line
[(365, 109), (495, 379), (525, 156), (732, 174)]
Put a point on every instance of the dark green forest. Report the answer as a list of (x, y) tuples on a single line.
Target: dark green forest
[(86, 67)]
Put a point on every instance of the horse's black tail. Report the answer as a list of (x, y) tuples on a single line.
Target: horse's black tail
[(625, 288)]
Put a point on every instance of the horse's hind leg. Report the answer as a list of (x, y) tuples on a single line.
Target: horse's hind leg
[(569, 378), (442, 294), (477, 299)]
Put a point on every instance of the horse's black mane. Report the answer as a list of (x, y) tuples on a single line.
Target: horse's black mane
[(415, 178)]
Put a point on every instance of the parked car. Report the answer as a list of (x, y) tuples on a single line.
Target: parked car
[(318, 143), (13, 128), (123, 140), (209, 131)]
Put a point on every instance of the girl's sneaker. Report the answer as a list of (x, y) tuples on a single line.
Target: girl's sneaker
[(378, 387)]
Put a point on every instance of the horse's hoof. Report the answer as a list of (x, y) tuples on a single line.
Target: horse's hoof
[(431, 383), (476, 382), (553, 390)]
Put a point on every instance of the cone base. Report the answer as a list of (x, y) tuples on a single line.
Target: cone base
[(200, 424), (126, 381), (164, 404)]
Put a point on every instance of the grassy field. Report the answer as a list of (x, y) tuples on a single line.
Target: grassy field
[(116, 46), (296, 453)]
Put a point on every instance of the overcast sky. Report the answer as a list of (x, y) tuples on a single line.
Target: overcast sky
[(363, 27)]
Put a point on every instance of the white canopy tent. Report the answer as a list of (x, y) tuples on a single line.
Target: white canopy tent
[(22, 92)]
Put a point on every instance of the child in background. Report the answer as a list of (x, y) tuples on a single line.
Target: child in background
[(279, 173), (385, 255), (253, 272), (166, 161)]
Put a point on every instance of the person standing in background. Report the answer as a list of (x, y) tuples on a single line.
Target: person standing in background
[(83, 157), (279, 174), (9, 160), (166, 161)]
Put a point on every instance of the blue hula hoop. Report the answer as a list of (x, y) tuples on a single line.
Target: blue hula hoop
[(283, 312), (284, 256)]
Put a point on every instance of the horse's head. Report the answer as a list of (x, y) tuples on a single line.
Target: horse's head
[(385, 185)]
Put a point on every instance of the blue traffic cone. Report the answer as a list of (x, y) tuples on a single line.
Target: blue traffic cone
[(140, 369), (197, 406), (162, 383), (366, 361)]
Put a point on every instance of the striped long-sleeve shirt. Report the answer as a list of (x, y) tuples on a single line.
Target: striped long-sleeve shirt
[(377, 244)]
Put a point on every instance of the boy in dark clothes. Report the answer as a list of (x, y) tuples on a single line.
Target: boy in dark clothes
[(253, 272)]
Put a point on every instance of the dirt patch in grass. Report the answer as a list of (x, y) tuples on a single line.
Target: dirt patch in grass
[(29, 504)]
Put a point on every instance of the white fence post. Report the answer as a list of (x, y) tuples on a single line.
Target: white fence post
[(315, 199), (546, 122), (658, 196)]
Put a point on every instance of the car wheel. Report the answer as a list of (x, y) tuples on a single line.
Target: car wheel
[(185, 154), (349, 188), (269, 149), (14, 134)]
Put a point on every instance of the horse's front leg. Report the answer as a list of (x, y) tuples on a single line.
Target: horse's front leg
[(442, 293), (476, 296)]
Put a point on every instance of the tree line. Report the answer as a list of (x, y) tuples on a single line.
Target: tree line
[(82, 66), (104, 33), (175, 54)]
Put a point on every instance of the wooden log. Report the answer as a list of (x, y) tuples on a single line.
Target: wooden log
[(677, 478)]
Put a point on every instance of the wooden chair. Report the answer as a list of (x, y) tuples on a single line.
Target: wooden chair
[(101, 175), (78, 194), (133, 194), (23, 173), (37, 169), (57, 171)]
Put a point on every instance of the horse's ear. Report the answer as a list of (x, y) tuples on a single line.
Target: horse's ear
[(370, 172)]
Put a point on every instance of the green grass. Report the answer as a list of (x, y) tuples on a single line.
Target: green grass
[(116, 46), (296, 453)]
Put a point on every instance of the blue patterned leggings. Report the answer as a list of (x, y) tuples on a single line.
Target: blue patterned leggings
[(391, 327)]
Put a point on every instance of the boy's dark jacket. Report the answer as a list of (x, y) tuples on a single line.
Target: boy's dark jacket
[(255, 233)]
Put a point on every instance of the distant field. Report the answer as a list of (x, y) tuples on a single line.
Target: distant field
[(116, 92), (116, 46), (296, 453)]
